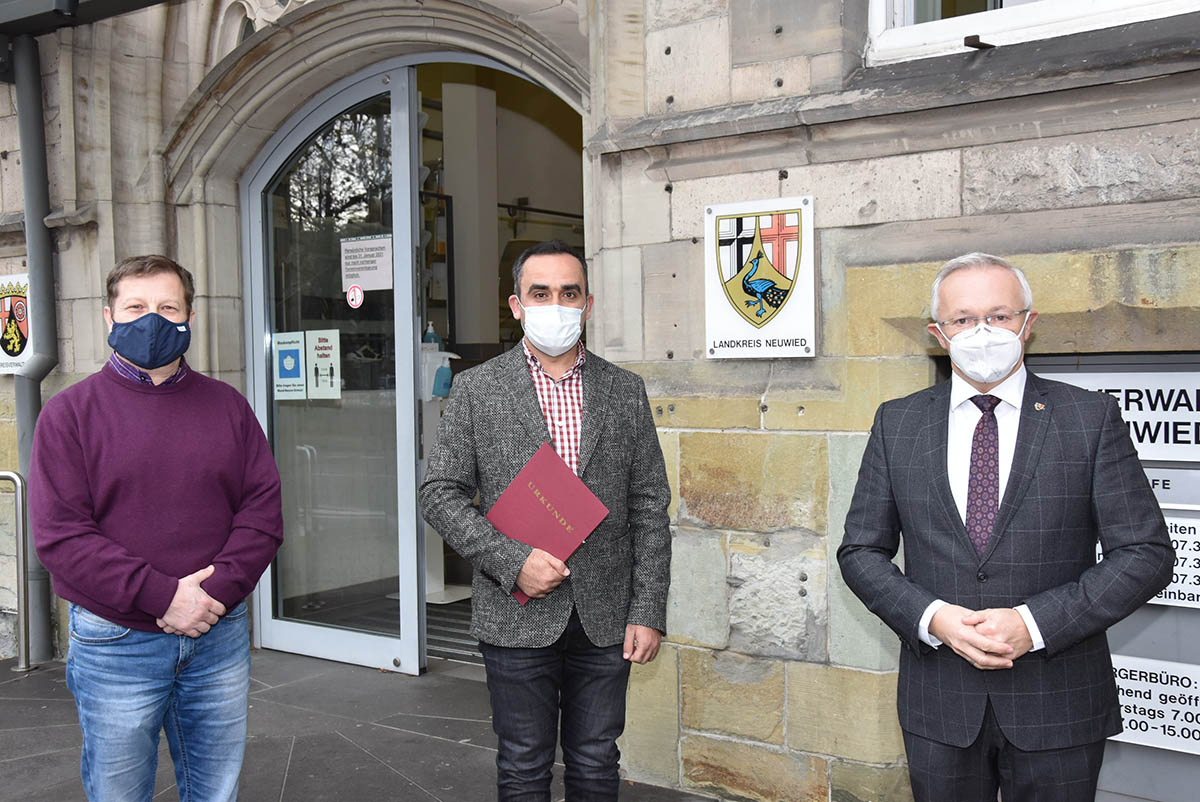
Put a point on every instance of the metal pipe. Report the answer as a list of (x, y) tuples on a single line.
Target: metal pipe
[(19, 519), (43, 328)]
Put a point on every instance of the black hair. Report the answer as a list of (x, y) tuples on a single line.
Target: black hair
[(547, 248)]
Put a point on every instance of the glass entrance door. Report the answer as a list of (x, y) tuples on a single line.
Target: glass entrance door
[(332, 202)]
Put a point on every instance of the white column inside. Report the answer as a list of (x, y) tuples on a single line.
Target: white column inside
[(469, 143)]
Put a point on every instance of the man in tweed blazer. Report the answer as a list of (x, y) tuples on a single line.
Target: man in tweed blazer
[(566, 653), (1005, 675)]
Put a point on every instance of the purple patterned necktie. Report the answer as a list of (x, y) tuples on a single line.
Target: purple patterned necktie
[(983, 489)]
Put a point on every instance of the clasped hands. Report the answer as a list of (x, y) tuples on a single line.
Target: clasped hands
[(192, 612), (543, 572), (987, 639)]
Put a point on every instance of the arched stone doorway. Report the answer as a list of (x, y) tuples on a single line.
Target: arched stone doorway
[(252, 117)]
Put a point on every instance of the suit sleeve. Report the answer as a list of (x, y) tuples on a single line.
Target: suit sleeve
[(1138, 556), (448, 492), (257, 528), (649, 524), (871, 541)]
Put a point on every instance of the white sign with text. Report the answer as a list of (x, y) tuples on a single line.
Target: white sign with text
[(323, 368), (1160, 703), (759, 287), (1161, 408), (287, 354), (367, 262)]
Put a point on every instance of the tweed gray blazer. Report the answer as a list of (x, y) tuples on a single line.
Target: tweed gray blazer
[(493, 424), (1075, 479)]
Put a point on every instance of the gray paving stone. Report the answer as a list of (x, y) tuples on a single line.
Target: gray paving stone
[(318, 731)]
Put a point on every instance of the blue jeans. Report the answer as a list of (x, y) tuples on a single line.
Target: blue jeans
[(532, 690), (130, 685)]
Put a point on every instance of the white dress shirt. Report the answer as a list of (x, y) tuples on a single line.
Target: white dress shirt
[(964, 417)]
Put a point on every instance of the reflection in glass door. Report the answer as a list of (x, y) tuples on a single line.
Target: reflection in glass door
[(336, 378), (337, 456)]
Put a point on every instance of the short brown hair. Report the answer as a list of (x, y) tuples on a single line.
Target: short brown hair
[(149, 265)]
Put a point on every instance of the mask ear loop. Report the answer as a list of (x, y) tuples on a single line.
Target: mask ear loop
[(1024, 323)]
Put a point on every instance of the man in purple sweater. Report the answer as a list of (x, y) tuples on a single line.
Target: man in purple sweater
[(155, 503)]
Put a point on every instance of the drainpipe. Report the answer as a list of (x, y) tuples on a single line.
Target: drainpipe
[(43, 328)]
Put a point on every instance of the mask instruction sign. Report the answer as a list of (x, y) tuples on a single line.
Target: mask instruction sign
[(759, 288), (15, 348), (287, 352), (323, 363), (367, 262), (1160, 703)]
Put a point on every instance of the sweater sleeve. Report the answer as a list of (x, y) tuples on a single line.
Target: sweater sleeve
[(256, 531), (68, 540)]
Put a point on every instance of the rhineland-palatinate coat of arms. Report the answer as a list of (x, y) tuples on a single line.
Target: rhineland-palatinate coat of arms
[(14, 317), (758, 256)]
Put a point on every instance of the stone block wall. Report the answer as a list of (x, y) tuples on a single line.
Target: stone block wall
[(12, 199), (774, 681)]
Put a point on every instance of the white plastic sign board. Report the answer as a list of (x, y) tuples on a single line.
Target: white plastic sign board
[(1161, 408), (323, 363), (287, 357), (1175, 487), (1160, 703), (759, 288), (367, 262)]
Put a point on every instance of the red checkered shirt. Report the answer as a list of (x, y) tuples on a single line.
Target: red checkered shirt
[(562, 404)]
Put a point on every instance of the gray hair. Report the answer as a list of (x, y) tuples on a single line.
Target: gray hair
[(975, 261)]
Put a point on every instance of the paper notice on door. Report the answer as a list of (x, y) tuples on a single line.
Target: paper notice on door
[(323, 365), (367, 262), (287, 356)]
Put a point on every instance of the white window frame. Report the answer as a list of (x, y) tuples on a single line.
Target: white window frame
[(891, 40)]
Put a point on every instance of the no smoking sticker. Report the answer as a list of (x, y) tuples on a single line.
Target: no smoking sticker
[(354, 296)]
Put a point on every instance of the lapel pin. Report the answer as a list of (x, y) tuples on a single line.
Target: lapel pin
[(1039, 406)]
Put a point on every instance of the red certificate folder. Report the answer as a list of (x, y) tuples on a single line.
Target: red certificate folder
[(548, 507)]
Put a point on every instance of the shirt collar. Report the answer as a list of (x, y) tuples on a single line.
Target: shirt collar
[(536, 364), (1010, 391), (135, 374)]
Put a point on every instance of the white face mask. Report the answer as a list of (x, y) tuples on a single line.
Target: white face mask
[(553, 330), (986, 353)]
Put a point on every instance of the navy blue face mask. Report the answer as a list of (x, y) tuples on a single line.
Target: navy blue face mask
[(151, 341)]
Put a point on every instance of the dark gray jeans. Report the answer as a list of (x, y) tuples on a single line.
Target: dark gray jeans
[(572, 682)]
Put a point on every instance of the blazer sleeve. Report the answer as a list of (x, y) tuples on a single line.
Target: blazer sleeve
[(648, 522), (1138, 556), (871, 540), (448, 492)]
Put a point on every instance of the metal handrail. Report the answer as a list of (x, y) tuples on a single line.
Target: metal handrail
[(22, 571)]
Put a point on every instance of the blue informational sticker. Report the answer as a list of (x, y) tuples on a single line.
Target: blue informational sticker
[(290, 364)]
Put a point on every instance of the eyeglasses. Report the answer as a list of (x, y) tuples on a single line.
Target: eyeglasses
[(1005, 319)]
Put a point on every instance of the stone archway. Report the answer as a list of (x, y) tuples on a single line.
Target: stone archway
[(245, 99)]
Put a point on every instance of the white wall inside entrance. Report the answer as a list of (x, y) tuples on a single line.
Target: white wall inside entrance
[(469, 131)]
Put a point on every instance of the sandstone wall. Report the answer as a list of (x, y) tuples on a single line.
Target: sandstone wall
[(775, 682)]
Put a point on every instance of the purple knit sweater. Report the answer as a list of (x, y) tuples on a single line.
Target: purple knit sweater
[(134, 486)]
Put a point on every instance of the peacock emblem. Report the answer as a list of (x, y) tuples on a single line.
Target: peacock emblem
[(766, 249), (763, 289)]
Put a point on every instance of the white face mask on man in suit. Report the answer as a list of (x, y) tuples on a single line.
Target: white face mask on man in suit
[(552, 329), (986, 353)]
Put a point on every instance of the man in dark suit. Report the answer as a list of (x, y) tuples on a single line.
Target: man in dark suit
[(566, 654), (1002, 482)]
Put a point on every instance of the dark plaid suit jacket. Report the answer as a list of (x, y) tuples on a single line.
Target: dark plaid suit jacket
[(491, 428), (1075, 477)]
